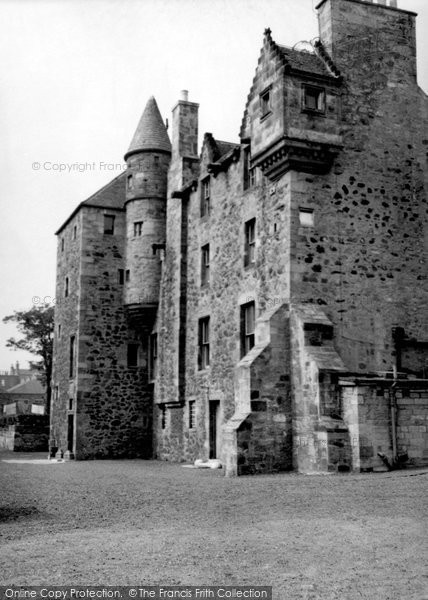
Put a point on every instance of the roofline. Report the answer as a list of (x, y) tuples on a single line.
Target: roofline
[(86, 203), (336, 79), (396, 9), (158, 150)]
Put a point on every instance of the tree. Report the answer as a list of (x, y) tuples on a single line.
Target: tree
[(37, 327)]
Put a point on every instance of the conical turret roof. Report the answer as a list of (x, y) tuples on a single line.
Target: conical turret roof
[(151, 132)]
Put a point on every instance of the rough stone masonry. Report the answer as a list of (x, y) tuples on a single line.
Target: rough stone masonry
[(262, 301)]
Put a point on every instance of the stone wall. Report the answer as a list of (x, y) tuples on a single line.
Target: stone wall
[(231, 285), (412, 421), (67, 313), (24, 433), (141, 260), (113, 409), (109, 402), (364, 259), (367, 411)]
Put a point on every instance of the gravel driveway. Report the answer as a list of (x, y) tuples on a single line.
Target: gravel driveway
[(341, 537)]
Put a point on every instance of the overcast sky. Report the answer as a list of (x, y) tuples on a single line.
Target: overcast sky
[(75, 76)]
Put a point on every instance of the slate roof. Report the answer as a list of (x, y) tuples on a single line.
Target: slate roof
[(303, 60), (112, 196), (33, 386), (151, 132), (225, 147)]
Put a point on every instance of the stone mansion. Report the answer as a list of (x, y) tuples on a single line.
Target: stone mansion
[(262, 301)]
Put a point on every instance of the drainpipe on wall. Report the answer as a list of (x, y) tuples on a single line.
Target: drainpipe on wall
[(393, 406)]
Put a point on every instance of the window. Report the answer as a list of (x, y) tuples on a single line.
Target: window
[(127, 275), (204, 343), (205, 197), (153, 355), (59, 332), (306, 217), (163, 417), (205, 264), (156, 160), (249, 172), (74, 232), (129, 183), (121, 276), (72, 355), (132, 357), (265, 103), (252, 177), (108, 224), (138, 228), (62, 245), (191, 414), (70, 404), (250, 243), (248, 320), (313, 98), (67, 287)]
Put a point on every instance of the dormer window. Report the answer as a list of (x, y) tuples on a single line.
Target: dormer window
[(265, 102), (313, 99)]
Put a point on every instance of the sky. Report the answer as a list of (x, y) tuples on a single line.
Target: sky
[(75, 76)]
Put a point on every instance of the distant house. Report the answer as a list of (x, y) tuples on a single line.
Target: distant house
[(28, 397)]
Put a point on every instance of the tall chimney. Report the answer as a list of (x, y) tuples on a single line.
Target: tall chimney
[(184, 141), (363, 36)]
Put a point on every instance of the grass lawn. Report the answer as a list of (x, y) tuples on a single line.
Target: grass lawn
[(132, 522)]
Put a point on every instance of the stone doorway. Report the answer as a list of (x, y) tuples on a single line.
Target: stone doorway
[(214, 427)]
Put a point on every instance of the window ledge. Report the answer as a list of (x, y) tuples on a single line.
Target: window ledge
[(314, 111), (265, 116)]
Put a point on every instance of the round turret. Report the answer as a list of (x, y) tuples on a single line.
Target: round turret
[(148, 159)]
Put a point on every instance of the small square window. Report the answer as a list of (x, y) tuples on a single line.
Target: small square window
[(250, 243), (306, 217), (205, 264), (248, 325), (109, 224), (191, 414), (138, 228), (204, 343), (205, 197), (265, 103), (313, 98)]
